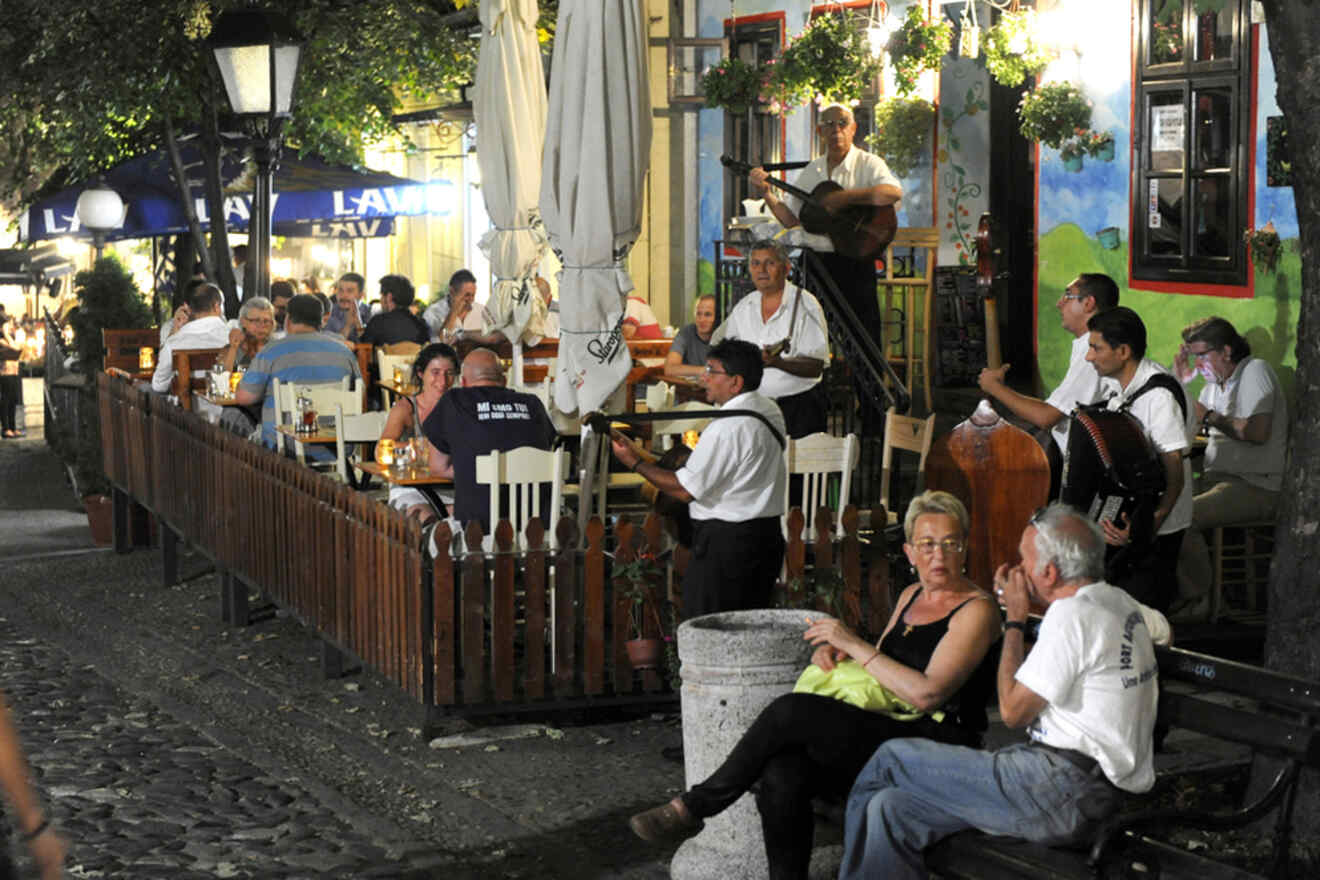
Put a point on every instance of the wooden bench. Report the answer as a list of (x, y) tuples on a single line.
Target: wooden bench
[(124, 347), (1280, 729)]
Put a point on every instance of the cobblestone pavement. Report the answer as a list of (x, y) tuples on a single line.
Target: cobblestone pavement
[(141, 794)]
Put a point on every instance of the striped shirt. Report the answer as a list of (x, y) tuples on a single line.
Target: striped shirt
[(308, 358)]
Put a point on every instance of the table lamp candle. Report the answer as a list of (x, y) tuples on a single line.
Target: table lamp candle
[(690, 439), (146, 358), (385, 452)]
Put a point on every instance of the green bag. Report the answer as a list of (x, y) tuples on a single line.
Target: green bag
[(850, 682)]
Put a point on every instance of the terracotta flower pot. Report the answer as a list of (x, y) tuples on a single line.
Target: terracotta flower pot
[(100, 517), (644, 653)]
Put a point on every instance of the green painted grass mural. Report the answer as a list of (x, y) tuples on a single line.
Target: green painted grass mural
[(1268, 320)]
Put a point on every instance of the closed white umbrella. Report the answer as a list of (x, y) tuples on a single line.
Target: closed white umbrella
[(509, 104), (597, 146)]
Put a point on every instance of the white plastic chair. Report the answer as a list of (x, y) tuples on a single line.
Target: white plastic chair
[(351, 428), (817, 457), (523, 471), (324, 398), (911, 435)]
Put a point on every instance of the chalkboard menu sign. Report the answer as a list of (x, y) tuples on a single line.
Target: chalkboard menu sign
[(959, 327)]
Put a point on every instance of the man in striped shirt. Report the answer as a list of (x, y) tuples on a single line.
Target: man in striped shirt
[(304, 356)]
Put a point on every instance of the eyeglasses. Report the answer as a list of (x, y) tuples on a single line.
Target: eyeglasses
[(833, 123), (1197, 355), (1077, 296), (926, 546), (710, 372)]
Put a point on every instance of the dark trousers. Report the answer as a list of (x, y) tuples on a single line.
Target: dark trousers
[(734, 565), (11, 395), (800, 747), (1150, 577), (806, 412), (856, 281)]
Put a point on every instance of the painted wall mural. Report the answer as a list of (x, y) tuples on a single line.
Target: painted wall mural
[(962, 158)]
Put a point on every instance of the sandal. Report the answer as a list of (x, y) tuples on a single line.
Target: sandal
[(665, 824)]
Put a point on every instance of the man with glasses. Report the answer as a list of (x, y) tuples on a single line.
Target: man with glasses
[(734, 482), (1244, 413), (788, 326), (1089, 293), (1086, 694), (866, 180)]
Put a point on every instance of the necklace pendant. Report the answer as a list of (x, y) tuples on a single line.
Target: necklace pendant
[(907, 630)]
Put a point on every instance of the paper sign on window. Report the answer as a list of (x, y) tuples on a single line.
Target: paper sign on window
[(1166, 129)]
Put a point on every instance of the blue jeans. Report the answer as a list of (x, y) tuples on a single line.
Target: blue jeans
[(914, 792)]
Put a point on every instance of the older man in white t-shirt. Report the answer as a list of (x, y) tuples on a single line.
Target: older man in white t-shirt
[(787, 324), (1087, 295), (1145, 389)]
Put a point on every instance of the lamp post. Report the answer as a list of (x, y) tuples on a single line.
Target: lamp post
[(99, 210), (257, 53)]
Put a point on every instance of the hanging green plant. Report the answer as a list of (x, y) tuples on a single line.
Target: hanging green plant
[(1011, 51), (732, 84), (918, 45), (1053, 112), (1265, 246), (1099, 145), (830, 61), (902, 133)]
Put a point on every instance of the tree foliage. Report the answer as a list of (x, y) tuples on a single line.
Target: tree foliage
[(83, 86)]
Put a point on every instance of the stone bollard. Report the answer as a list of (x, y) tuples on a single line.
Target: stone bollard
[(734, 664)]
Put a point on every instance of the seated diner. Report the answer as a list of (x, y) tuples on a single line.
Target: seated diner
[(434, 372)]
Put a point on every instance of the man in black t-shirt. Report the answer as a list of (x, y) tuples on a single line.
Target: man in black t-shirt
[(396, 323), (479, 417)]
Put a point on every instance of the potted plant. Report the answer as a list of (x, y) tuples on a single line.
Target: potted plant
[(918, 45), (732, 84), (1265, 246), (1071, 153), (1053, 112), (1100, 145), (829, 61), (902, 133), (108, 298), (635, 583), (1010, 48)]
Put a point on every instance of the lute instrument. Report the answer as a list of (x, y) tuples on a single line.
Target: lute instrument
[(861, 232)]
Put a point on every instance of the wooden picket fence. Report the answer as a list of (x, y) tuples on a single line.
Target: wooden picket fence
[(470, 630)]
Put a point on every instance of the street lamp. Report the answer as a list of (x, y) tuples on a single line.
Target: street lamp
[(99, 210), (257, 54)]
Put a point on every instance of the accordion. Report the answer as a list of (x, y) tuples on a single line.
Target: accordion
[(1112, 470)]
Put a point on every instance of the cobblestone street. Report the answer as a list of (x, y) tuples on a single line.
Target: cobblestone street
[(166, 744)]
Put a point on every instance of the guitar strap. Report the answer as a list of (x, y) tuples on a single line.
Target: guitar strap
[(787, 344), (699, 415)]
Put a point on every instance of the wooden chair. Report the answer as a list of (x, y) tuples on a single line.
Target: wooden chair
[(324, 397), (188, 363), (124, 347), (818, 458), (350, 428), (1242, 561), (911, 296), (910, 435), (522, 472)]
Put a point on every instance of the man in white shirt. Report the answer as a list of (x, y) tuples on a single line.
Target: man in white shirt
[(866, 180), (1244, 411), (1087, 695), (734, 482), (788, 325), (1088, 294), (1145, 389), (205, 328)]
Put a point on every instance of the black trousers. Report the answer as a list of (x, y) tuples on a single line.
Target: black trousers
[(1150, 577), (11, 395), (800, 747), (856, 281), (806, 412), (734, 565)]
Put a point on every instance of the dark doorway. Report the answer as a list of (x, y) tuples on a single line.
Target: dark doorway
[(1012, 205)]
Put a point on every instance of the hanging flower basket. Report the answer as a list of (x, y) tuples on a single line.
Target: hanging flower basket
[(732, 84), (1010, 48), (1053, 113), (902, 133), (830, 61), (1072, 153), (1100, 145), (918, 45)]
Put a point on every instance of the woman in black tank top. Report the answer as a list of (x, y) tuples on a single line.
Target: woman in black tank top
[(434, 371), (934, 654)]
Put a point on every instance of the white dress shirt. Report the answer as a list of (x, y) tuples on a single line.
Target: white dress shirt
[(858, 170), (737, 471), (208, 332), (1081, 385), (807, 337)]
